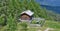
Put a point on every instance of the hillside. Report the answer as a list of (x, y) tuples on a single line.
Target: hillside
[(55, 26), (10, 11)]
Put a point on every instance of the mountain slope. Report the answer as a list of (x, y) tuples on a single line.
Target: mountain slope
[(13, 9), (10, 11)]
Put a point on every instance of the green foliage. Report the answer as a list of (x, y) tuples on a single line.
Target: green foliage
[(11, 9), (41, 22), (11, 22), (24, 26), (34, 22), (2, 19)]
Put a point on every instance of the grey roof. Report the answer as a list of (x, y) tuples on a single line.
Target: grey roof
[(28, 12)]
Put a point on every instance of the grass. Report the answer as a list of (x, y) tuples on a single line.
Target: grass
[(48, 24), (52, 24)]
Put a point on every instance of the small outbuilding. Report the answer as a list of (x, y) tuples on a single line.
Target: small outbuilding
[(26, 15)]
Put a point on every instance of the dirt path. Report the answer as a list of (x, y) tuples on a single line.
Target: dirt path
[(47, 29)]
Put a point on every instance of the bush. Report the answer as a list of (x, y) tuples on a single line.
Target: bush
[(3, 20), (22, 26)]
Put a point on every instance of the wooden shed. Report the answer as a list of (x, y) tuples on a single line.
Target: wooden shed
[(26, 15)]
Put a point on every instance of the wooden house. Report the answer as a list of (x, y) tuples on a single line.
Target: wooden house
[(26, 15)]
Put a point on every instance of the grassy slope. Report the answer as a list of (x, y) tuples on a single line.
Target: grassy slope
[(52, 24), (49, 24)]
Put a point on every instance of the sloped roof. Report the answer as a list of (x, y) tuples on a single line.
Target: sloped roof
[(28, 12)]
